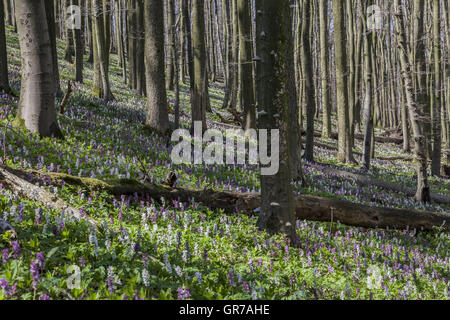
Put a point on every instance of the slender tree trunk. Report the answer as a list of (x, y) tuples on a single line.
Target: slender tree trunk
[(188, 37), (326, 107), (436, 112), (140, 44), (8, 14), (234, 72), (120, 38), (79, 49), (200, 95), (37, 95), (69, 51), (4, 83), (368, 56), (415, 112), (294, 136), (157, 115), (245, 61), (132, 59), (170, 81), (100, 43), (308, 80), (344, 145), (49, 10)]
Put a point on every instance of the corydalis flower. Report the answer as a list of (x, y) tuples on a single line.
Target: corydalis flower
[(183, 293), (40, 258), (34, 273), (15, 245), (5, 255), (9, 290)]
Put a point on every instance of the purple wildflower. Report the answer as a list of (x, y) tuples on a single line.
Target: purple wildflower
[(9, 290), (40, 258), (34, 273), (5, 255), (15, 245), (44, 297), (183, 293)]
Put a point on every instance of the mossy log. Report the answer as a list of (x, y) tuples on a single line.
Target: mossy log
[(307, 207), (18, 181)]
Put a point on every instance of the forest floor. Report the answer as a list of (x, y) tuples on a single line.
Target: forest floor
[(154, 250)]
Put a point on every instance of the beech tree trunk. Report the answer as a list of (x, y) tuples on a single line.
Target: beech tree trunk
[(157, 115), (245, 61), (415, 112), (200, 93), (37, 95), (99, 38), (273, 25), (345, 146), (4, 83)]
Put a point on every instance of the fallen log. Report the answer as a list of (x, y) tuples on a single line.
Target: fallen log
[(307, 207), (15, 180), (364, 179)]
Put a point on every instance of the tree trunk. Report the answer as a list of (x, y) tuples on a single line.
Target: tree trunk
[(368, 56), (79, 49), (200, 94), (345, 147), (132, 57), (326, 107), (272, 29), (4, 83), (49, 10), (415, 112), (140, 47), (69, 51), (170, 82), (100, 43), (8, 12), (308, 80), (37, 95), (295, 146), (157, 115), (245, 61), (436, 112)]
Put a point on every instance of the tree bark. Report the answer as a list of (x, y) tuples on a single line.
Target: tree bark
[(308, 80), (99, 38), (345, 147), (37, 95), (157, 115), (415, 112), (273, 24), (4, 83), (326, 107), (436, 112), (200, 94), (245, 61)]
